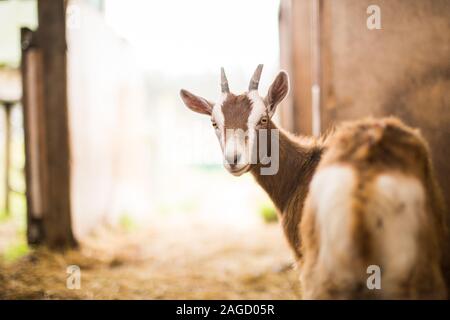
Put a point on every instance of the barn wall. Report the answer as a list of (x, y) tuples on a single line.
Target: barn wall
[(402, 69), (295, 54)]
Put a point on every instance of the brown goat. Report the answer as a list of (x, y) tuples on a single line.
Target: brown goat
[(374, 200), (364, 196)]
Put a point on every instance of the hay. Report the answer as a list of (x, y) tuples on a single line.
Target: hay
[(173, 259)]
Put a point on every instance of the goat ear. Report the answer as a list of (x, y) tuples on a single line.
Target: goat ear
[(196, 103), (277, 92)]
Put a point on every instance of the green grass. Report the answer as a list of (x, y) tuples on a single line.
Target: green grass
[(13, 221), (127, 223), (184, 206), (268, 213), (17, 212), (17, 200), (17, 218), (4, 216), (16, 251)]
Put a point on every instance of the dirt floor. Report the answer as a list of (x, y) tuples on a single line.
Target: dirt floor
[(174, 258)]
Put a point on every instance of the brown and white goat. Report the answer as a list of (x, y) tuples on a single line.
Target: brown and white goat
[(364, 196)]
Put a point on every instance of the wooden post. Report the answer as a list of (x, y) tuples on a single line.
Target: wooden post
[(44, 73), (285, 25), (33, 125), (304, 52), (52, 42), (8, 106), (296, 55)]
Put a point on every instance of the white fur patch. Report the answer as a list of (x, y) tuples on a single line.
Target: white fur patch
[(331, 194), (397, 212), (217, 115), (393, 215), (258, 108)]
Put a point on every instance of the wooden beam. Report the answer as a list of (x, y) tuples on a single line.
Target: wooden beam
[(286, 110), (8, 108), (52, 42), (57, 225), (301, 73), (33, 124), (304, 51)]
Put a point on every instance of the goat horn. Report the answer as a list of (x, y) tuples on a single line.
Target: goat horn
[(254, 82), (224, 81)]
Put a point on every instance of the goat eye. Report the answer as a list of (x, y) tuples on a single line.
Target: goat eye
[(214, 124)]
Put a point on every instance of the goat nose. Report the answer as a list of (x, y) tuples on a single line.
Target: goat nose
[(233, 159), (236, 158)]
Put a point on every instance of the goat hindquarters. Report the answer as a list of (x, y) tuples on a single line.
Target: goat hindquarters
[(350, 223)]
